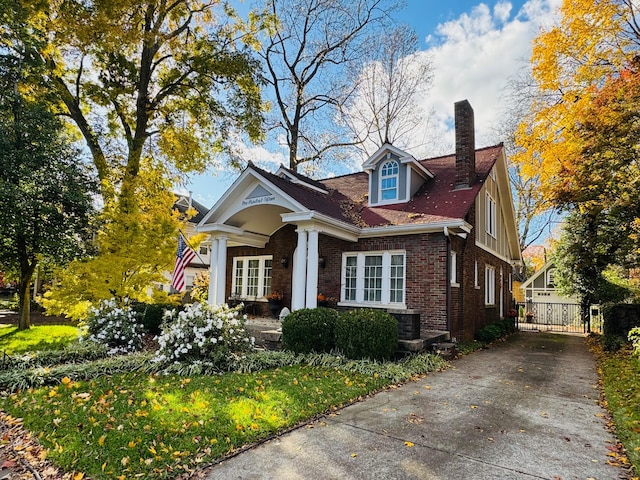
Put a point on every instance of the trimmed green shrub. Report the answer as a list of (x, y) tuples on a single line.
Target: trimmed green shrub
[(367, 333), (611, 342), (151, 315), (494, 331), (620, 319), (309, 330)]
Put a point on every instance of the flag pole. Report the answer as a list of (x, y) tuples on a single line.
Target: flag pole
[(191, 247)]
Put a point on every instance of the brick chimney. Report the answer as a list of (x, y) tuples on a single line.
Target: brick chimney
[(465, 145)]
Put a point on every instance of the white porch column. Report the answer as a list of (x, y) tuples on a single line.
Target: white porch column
[(312, 270), (213, 273), (221, 277), (299, 282)]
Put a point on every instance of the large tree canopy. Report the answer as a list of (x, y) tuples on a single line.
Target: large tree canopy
[(581, 139), (390, 86), (139, 78), (45, 203), (593, 39), (309, 56)]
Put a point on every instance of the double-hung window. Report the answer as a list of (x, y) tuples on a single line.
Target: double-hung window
[(376, 278), (489, 285), (453, 266), (252, 276), (490, 218), (389, 181)]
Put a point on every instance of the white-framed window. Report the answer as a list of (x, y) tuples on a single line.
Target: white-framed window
[(490, 219), (453, 266), (476, 279), (373, 278), (350, 278), (204, 249), (489, 285), (550, 277), (389, 174), (251, 276)]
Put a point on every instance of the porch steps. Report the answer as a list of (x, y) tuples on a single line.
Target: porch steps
[(266, 331), (427, 339)]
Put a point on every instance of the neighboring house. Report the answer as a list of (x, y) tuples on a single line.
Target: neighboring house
[(540, 288), (203, 259), (547, 306), (437, 236)]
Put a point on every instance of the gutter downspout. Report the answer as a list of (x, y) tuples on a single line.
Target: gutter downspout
[(448, 279)]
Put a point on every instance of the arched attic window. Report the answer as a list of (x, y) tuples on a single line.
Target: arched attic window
[(389, 181)]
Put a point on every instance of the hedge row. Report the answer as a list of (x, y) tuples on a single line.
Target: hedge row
[(357, 334)]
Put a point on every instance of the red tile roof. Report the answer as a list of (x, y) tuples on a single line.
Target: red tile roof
[(436, 201)]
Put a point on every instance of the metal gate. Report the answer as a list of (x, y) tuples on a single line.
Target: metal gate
[(557, 317)]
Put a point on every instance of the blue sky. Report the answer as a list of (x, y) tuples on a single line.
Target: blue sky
[(474, 46)]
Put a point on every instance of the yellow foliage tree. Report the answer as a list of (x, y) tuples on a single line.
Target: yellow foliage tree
[(135, 248), (570, 60)]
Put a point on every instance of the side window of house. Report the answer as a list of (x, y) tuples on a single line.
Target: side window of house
[(490, 285), (490, 216), (389, 181), (252, 276), (204, 249), (373, 278), (454, 268), (476, 280)]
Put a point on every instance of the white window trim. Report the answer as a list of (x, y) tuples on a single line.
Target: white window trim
[(549, 277), (397, 177), (476, 279), (490, 285), (243, 294), (490, 216), (453, 273), (386, 280)]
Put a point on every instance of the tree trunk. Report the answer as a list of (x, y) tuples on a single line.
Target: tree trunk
[(24, 320)]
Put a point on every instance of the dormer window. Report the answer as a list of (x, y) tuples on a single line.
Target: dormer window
[(389, 181)]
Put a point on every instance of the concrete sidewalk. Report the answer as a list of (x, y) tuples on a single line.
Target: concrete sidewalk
[(524, 409)]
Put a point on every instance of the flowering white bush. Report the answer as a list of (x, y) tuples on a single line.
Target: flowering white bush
[(202, 332), (115, 326)]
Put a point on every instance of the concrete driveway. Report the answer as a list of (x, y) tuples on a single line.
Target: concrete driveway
[(524, 409)]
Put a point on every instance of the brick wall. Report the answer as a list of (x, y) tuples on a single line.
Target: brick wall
[(426, 271), (427, 276), (469, 312)]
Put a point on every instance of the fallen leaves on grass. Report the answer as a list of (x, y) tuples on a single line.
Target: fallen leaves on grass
[(23, 456)]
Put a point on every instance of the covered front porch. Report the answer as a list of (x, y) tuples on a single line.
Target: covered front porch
[(265, 244)]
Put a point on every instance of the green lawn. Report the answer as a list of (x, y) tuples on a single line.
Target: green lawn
[(128, 425), (42, 337), (621, 382)]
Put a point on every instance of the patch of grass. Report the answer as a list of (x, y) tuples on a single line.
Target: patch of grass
[(465, 348), (136, 424), (621, 381), (41, 337)]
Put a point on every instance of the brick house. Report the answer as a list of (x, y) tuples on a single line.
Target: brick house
[(436, 236)]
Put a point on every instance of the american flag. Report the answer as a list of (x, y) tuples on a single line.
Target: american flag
[(183, 258)]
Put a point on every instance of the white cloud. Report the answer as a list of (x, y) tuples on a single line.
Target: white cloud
[(474, 57)]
